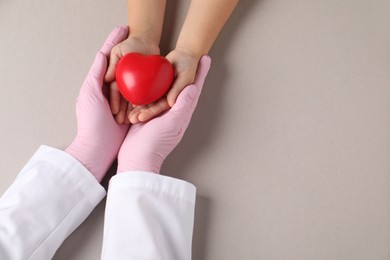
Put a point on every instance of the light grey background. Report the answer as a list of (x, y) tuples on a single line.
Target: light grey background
[(290, 144)]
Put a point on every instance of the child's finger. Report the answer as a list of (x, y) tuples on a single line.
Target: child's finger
[(128, 110), (114, 59), (153, 110), (133, 116), (120, 117), (115, 98), (137, 110)]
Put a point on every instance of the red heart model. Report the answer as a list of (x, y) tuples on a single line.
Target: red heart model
[(143, 79)]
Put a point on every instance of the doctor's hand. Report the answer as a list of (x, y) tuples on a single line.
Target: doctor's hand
[(148, 144), (98, 137)]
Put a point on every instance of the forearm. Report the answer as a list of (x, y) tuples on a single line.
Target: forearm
[(146, 18), (204, 21)]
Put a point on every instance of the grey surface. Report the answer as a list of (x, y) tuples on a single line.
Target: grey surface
[(289, 147)]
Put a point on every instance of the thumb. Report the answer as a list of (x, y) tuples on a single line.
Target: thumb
[(190, 95), (116, 36), (181, 81), (187, 97), (98, 67), (203, 69), (94, 81)]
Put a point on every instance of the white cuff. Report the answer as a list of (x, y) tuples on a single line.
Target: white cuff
[(149, 217), (49, 199), (153, 182)]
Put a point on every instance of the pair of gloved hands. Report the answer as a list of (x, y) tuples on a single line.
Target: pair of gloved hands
[(140, 147)]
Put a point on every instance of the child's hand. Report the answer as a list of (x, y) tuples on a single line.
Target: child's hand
[(119, 106), (147, 145), (185, 64)]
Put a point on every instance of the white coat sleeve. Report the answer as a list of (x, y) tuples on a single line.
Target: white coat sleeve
[(49, 199), (148, 217)]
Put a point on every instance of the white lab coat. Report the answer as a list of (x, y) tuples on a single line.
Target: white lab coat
[(148, 216)]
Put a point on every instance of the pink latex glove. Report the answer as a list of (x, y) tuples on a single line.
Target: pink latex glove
[(99, 137), (148, 144)]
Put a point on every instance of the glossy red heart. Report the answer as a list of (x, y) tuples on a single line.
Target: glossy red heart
[(143, 79)]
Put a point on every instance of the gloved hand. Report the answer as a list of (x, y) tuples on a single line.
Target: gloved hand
[(148, 144), (99, 137)]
